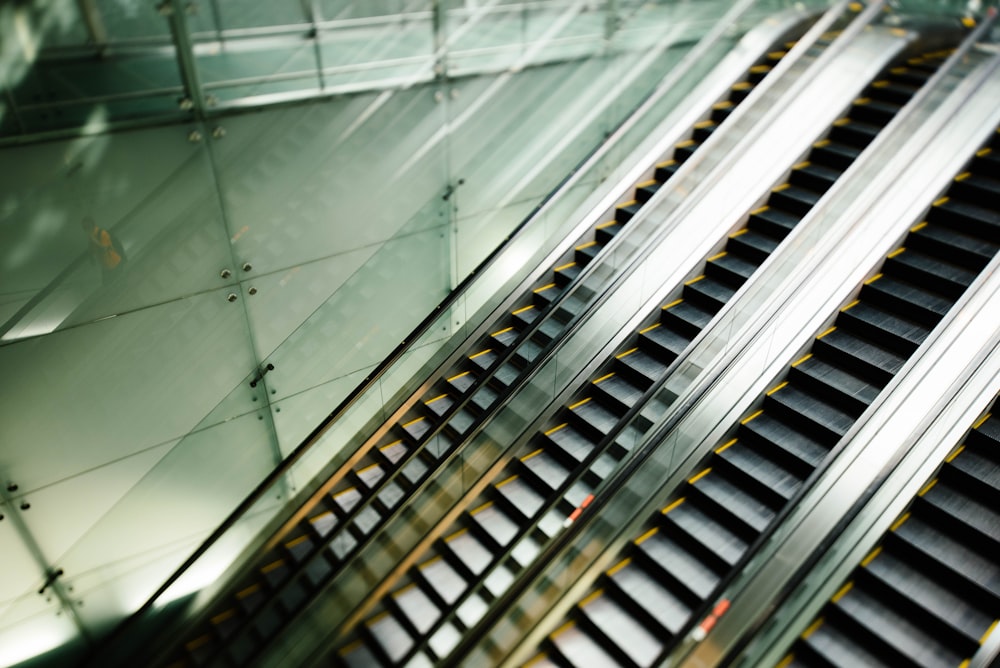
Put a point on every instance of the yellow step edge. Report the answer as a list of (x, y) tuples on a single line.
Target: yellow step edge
[(725, 446), (531, 454), (395, 594), (873, 279), (990, 630), (783, 186), (700, 475), (666, 163), (428, 403), (777, 55), (605, 224), (821, 143), (901, 249), (556, 428), (963, 176), (940, 200), (928, 487), (739, 233), (649, 329), (377, 618), (751, 416), (322, 516), (593, 596), (840, 122), (918, 226), (457, 376), (586, 245), (481, 508), (480, 353), (544, 288), (672, 304), (559, 268), (536, 660), (504, 482), (579, 403), (716, 256), (871, 556), (757, 69), (621, 206), (802, 359), (704, 124), (787, 661), (812, 628), (898, 523), (695, 280), (673, 505), (983, 152), (956, 453), (899, 70), (855, 6), (192, 645), (223, 616), (848, 307), (501, 331), (644, 537), (342, 493), (777, 387), (405, 425), (685, 143), (295, 541), (651, 182), (964, 664), (725, 104), (271, 566), (620, 565), (626, 353), (602, 378), (842, 592), (249, 591), (456, 534), (802, 165), (979, 423), (743, 85), (760, 210), (520, 310), (347, 649), (562, 629), (826, 332), (881, 83), (862, 100)]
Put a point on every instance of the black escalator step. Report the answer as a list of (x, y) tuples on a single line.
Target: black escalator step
[(638, 588), (592, 419), (483, 359), (504, 338), (967, 218), (797, 451), (809, 412), (875, 112), (440, 578), (730, 498), (858, 355), (929, 545), (527, 352), (762, 475), (685, 150), (709, 293), (468, 551), (665, 170), (366, 520), (704, 535), (794, 198), (757, 73), (546, 294), (704, 130), (929, 271), (644, 191), (752, 245), (439, 405), (979, 189), (568, 444), (416, 607), (676, 568), (584, 253), (545, 468), (909, 77), (605, 232), (883, 327), (371, 476), (773, 221), (987, 433), (462, 382), (345, 500), (834, 154), (960, 248), (730, 268), (906, 299), (966, 518), (520, 496), (663, 343), (625, 212), (893, 93), (575, 647), (739, 91), (390, 634), (640, 367), (976, 472), (890, 633), (524, 316), (495, 523), (483, 398), (834, 384), (566, 273), (721, 111), (853, 133), (616, 391), (986, 162), (827, 645), (505, 375), (358, 655), (818, 178), (686, 318), (461, 421), (924, 599), (611, 622)]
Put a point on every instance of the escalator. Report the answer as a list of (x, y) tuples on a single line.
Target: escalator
[(929, 593), (446, 597), (376, 483), (666, 578)]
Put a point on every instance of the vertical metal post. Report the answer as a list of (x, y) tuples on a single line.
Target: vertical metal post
[(176, 13), (95, 24), (311, 10), (438, 16)]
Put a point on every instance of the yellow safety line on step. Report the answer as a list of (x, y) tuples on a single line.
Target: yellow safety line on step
[(988, 631), (295, 541), (821, 143), (562, 629), (673, 505), (649, 329), (983, 152), (842, 592), (826, 332), (560, 268), (520, 310), (626, 353), (725, 446), (651, 182), (752, 416), (544, 288), (686, 143), (586, 245), (223, 616), (695, 280), (479, 354), (855, 6), (777, 55), (862, 100), (919, 226), (725, 104), (873, 279), (642, 539), (840, 122), (501, 331), (666, 163), (271, 566), (952, 456), (980, 421), (704, 124), (939, 201), (622, 206), (739, 233), (787, 661), (783, 186), (812, 627), (322, 516), (743, 85), (926, 488), (591, 597), (760, 210), (405, 425), (851, 305), (620, 565), (531, 454), (871, 556), (604, 377), (198, 642), (802, 165), (802, 359), (504, 482), (479, 509), (672, 304), (605, 224), (344, 651), (757, 69), (968, 22), (899, 70), (456, 377), (579, 403), (252, 589), (880, 84), (963, 176), (716, 257), (701, 475), (777, 387), (901, 249), (898, 523), (555, 429)]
